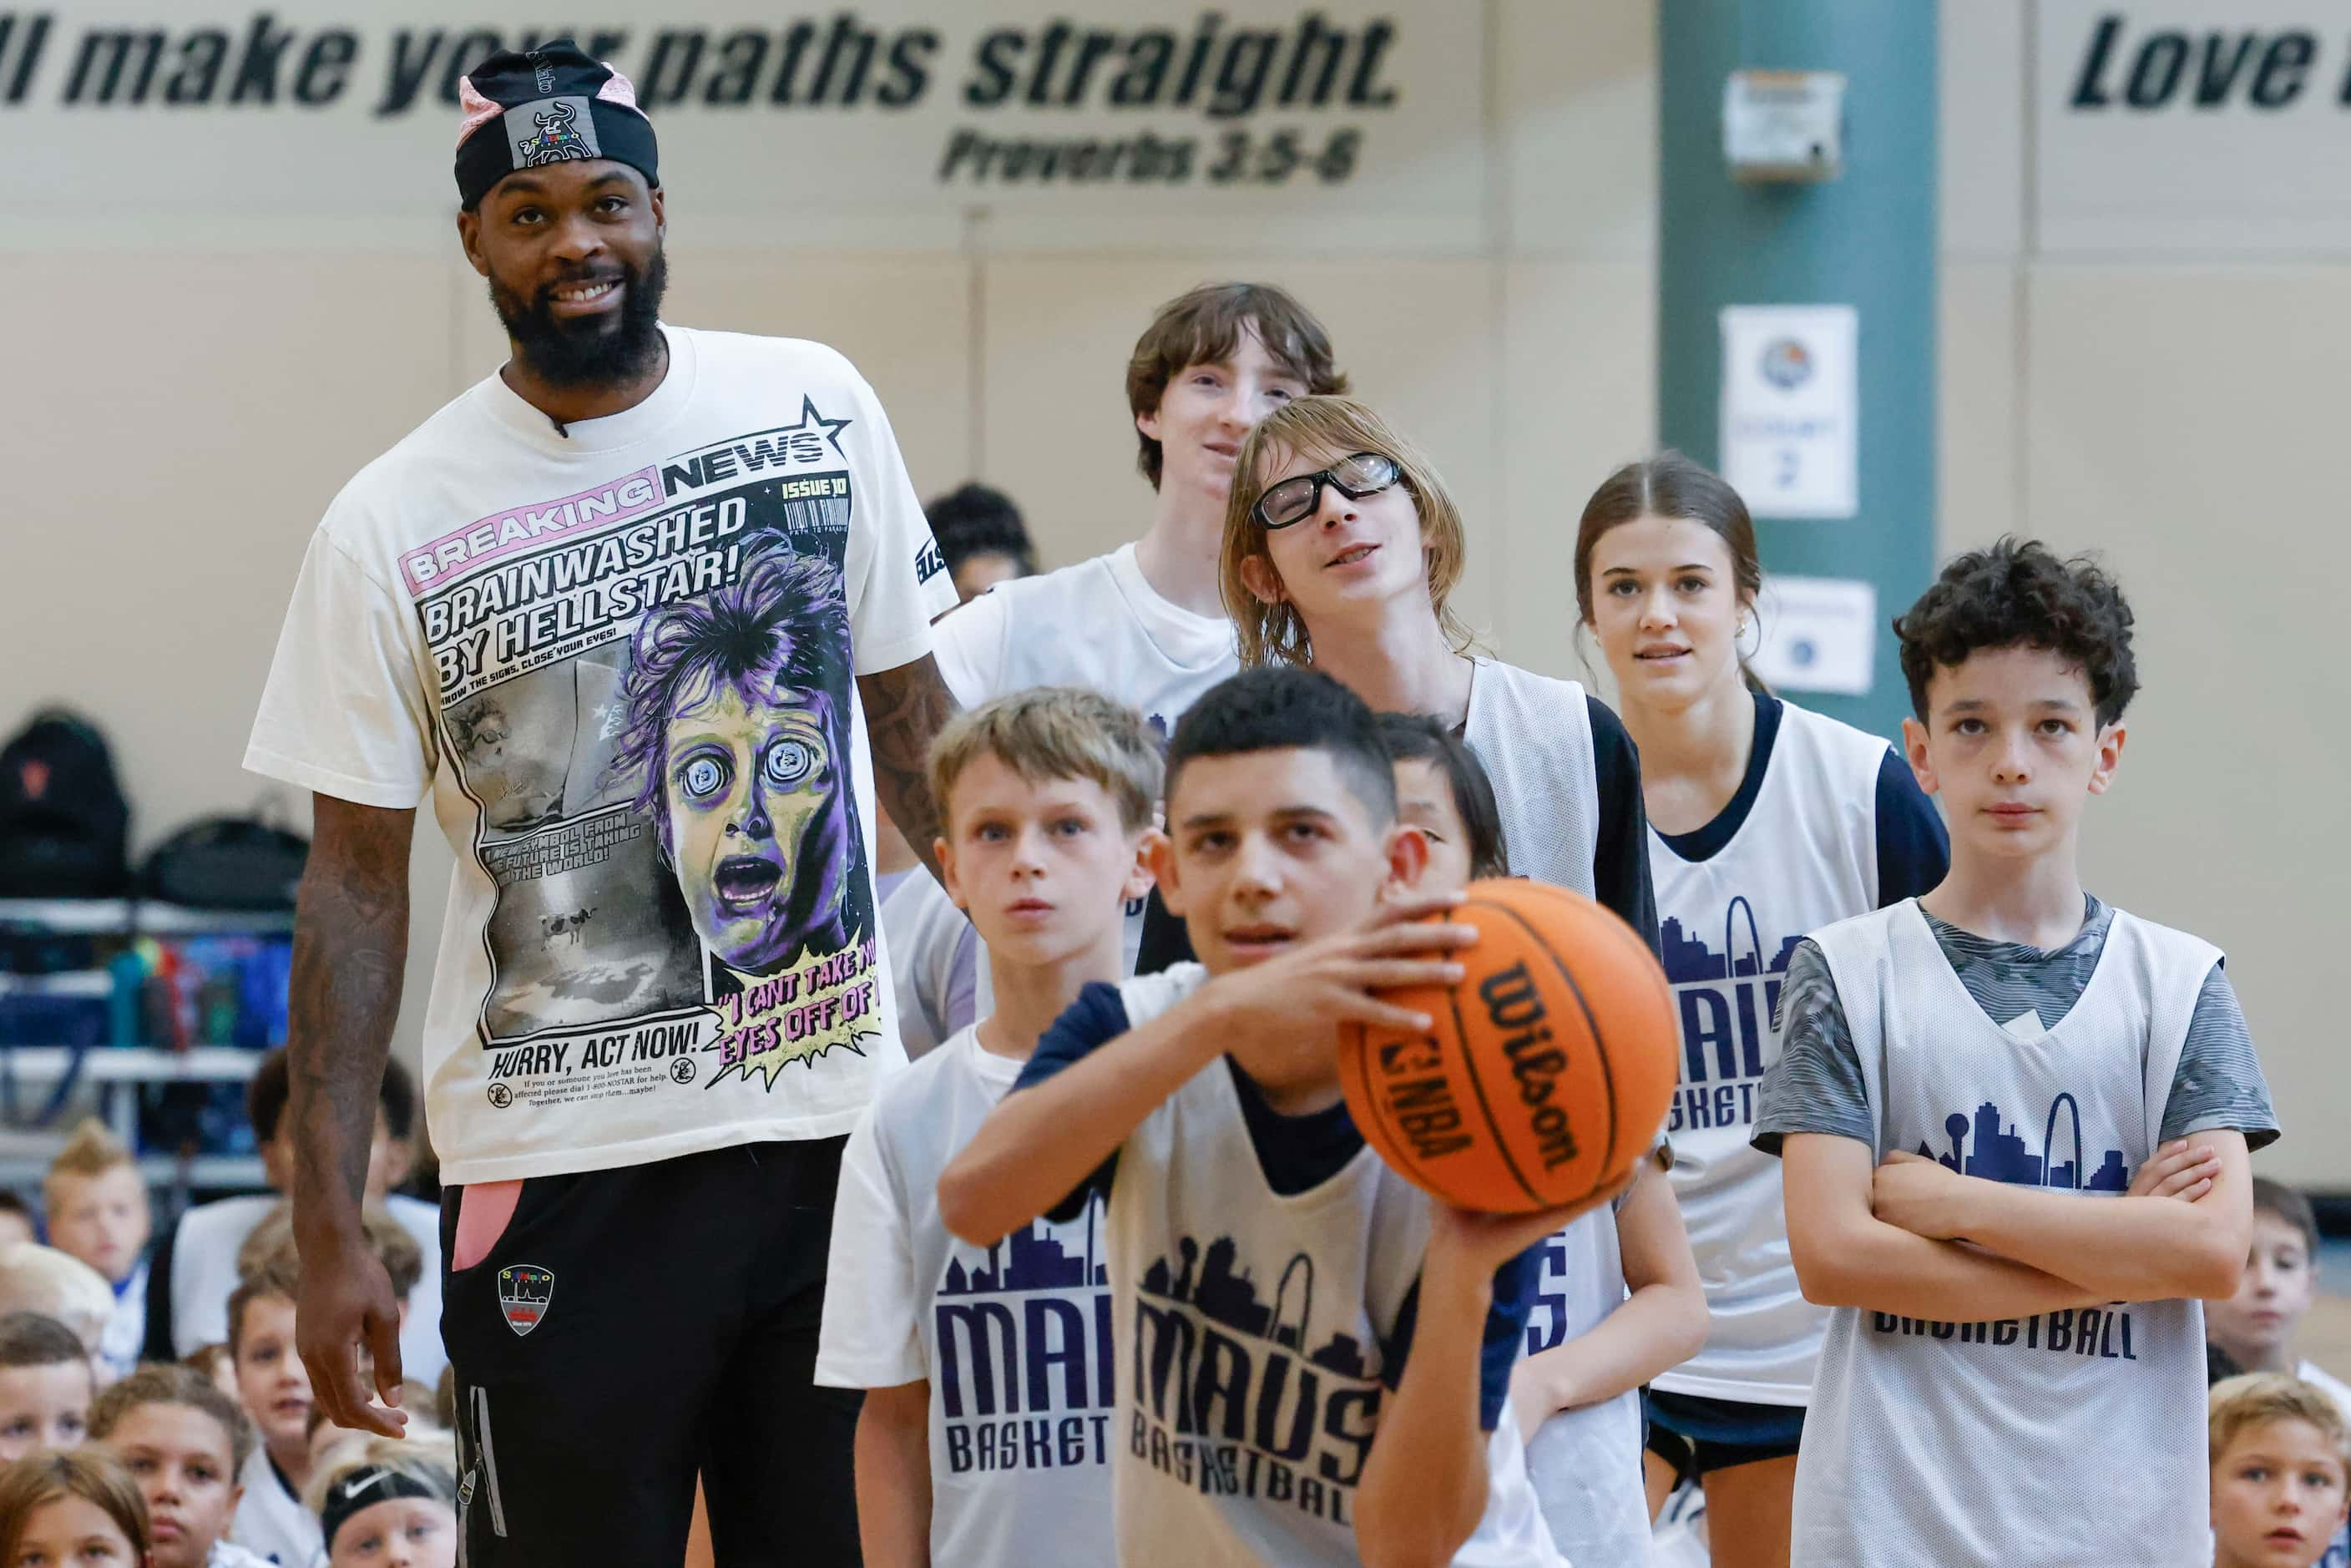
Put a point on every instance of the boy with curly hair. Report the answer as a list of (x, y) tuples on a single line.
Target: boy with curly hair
[(2014, 1122)]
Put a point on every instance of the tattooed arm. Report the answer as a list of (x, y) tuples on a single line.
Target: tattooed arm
[(905, 707), (350, 946)]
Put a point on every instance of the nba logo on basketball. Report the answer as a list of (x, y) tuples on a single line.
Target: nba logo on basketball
[(523, 1290)]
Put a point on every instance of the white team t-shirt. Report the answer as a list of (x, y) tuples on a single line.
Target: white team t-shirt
[(621, 660), (271, 1521), (1097, 624), (1013, 1339), (933, 954), (203, 1275)]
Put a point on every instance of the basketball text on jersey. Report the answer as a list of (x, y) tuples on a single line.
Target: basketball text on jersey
[(1025, 1365), (1229, 1399)]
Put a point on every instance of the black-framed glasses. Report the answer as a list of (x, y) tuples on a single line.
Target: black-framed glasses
[(1296, 499)]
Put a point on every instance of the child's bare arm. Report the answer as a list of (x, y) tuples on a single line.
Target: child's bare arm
[(1425, 1485), (1845, 1256), (1660, 1325), (2130, 1248), (894, 1476), (1043, 1142)]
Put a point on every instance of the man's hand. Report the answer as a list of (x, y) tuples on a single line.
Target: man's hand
[(2182, 1169), (1918, 1195), (346, 1303), (1295, 1002), (351, 943)]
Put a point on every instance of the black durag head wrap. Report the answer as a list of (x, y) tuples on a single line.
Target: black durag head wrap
[(552, 104)]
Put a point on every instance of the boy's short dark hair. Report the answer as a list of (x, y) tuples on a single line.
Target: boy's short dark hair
[(973, 519), (2280, 1201), (36, 1339), (1282, 708), (1423, 737), (13, 1202), (1203, 327), (165, 1383), (2019, 595), (271, 1086)]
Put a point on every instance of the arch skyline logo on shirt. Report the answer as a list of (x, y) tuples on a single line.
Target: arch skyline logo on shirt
[(1727, 999)]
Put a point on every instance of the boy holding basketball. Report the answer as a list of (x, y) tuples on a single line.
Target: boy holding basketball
[(2012, 1374), (965, 1456), (1313, 1359)]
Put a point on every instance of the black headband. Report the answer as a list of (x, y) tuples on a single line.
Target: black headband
[(364, 1489), (553, 105)]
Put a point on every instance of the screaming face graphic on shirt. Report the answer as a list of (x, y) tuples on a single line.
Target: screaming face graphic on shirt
[(740, 753)]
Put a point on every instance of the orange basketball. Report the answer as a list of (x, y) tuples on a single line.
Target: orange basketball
[(1549, 1068)]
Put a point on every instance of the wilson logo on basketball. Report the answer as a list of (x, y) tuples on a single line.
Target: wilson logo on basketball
[(1515, 1007), (1542, 1073)]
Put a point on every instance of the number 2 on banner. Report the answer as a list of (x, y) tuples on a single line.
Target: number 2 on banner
[(1786, 477)]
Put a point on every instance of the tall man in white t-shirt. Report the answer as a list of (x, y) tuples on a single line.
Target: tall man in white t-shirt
[(646, 614), (1144, 623)]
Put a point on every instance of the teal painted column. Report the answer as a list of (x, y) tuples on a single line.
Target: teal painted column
[(1866, 239)]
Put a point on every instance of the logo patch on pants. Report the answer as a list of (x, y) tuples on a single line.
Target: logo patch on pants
[(523, 1290)]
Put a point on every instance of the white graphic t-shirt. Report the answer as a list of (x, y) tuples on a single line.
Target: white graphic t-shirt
[(1014, 1339), (622, 658)]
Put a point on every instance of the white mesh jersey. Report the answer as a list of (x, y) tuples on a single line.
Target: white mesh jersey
[(2072, 1439), (1805, 857), (1250, 1328), (1586, 1462), (1533, 734)]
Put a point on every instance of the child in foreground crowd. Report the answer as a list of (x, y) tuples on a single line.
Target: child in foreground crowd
[(2280, 1458), (1046, 800)]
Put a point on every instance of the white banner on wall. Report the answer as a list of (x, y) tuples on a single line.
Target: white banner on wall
[(2193, 125), (1820, 634), (1790, 378), (1126, 123)]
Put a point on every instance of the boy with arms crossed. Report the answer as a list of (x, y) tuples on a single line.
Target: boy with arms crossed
[(1313, 1359), (1046, 799), (2012, 1374)]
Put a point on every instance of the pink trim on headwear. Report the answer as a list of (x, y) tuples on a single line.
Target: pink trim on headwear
[(616, 89), (479, 110)]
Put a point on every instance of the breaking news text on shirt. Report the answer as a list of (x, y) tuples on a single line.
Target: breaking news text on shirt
[(623, 655)]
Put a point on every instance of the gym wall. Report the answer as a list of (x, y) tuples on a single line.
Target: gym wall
[(190, 389)]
